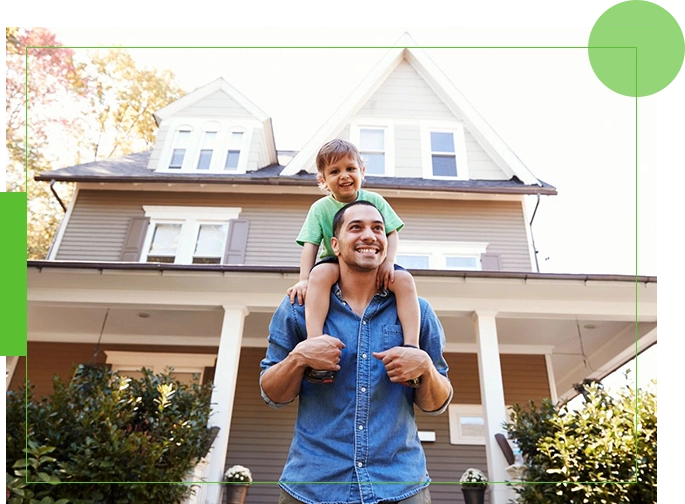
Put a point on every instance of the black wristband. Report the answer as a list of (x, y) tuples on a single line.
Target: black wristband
[(410, 346)]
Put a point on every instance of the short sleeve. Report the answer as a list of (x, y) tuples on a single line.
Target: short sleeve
[(311, 231), (392, 220)]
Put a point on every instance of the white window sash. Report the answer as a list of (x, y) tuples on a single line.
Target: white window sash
[(457, 130)]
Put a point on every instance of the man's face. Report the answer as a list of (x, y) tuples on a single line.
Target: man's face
[(361, 242)]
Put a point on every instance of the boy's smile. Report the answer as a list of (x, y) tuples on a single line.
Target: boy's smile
[(343, 178)]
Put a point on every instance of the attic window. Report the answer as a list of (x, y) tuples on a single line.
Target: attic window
[(444, 152), (179, 151), (372, 149), (205, 159), (235, 144)]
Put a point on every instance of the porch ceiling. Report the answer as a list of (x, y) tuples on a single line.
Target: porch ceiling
[(582, 326)]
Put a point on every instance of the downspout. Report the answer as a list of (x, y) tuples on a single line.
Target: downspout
[(64, 208), (532, 239)]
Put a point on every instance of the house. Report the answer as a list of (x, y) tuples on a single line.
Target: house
[(179, 256)]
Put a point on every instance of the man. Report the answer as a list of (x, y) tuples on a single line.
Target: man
[(356, 439)]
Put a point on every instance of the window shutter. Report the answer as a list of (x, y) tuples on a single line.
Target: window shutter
[(236, 244), (133, 245), (490, 262)]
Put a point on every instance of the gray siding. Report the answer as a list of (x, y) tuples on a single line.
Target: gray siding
[(217, 104), (408, 151), (481, 165), (99, 222), (405, 94), (501, 224)]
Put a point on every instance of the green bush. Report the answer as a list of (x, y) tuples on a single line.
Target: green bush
[(101, 427), (588, 455)]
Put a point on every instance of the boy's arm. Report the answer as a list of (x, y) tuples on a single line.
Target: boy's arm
[(307, 260), (386, 271)]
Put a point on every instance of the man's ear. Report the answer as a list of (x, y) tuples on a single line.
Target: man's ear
[(335, 246)]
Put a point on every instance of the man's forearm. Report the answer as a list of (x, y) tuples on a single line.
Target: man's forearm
[(282, 381), (434, 391)]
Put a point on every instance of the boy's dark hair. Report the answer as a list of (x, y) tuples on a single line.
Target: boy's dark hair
[(340, 214), (335, 149)]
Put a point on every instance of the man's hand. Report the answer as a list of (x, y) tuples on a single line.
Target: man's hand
[(321, 353), (298, 291), (404, 363), (385, 275)]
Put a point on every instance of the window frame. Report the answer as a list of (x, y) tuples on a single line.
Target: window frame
[(457, 131), (438, 252), (455, 411), (159, 362), (190, 218), (388, 138)]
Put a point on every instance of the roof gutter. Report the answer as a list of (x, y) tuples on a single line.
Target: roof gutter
[(532, 238)]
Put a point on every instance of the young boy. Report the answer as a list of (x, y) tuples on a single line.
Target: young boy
[(340, 175)]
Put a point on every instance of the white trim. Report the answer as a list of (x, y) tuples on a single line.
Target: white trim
[(457, 131), (52, 253), (550, 378)]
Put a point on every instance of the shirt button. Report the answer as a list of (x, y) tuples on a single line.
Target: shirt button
[(364, 322), (363, 356), (363, 389), (361, 427), (359, 464)]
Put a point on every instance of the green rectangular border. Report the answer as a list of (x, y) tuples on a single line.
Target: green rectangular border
[(22, 315), (13, 260)]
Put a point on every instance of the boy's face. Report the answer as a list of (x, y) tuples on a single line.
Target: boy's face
[(343, 178)]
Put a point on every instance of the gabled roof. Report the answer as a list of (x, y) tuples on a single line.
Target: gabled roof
[(204, 91), (406, 49)]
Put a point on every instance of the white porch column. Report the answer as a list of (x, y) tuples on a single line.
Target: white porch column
[(492, 397), (225, 380)]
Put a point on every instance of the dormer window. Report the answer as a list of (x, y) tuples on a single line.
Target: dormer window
[(181, 141), (216, 146), (235, 146), (206, 150), (444, 153)]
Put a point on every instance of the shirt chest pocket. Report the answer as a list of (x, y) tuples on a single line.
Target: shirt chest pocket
[(392, 336)]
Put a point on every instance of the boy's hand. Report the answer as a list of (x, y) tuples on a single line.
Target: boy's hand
[(299, 291), (385, 275)]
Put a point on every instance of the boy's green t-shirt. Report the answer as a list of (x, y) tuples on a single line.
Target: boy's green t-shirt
[(318, 226)]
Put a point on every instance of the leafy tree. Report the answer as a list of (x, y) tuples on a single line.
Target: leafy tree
[(82, 106), (101, 427), (604, 452)]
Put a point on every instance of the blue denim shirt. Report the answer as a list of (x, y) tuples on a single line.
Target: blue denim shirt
[(356, 439)]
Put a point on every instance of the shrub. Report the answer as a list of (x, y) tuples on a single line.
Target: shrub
[(101, 427), (583, 454)]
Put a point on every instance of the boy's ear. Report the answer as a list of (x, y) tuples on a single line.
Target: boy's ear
[(320, 179)]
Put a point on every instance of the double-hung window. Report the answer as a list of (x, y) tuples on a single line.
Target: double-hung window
[(444, 153), (186, 235), (204, 160), (440, 255), (180, 146), (372, 150), (235, 147)]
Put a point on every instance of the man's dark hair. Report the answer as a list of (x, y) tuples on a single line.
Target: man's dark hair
[(339, 215)]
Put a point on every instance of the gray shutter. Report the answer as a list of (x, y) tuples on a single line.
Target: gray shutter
[(490, 262), (133, 245), (236, 244)]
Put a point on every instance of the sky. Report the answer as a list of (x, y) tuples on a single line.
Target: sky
[(546, 104)]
